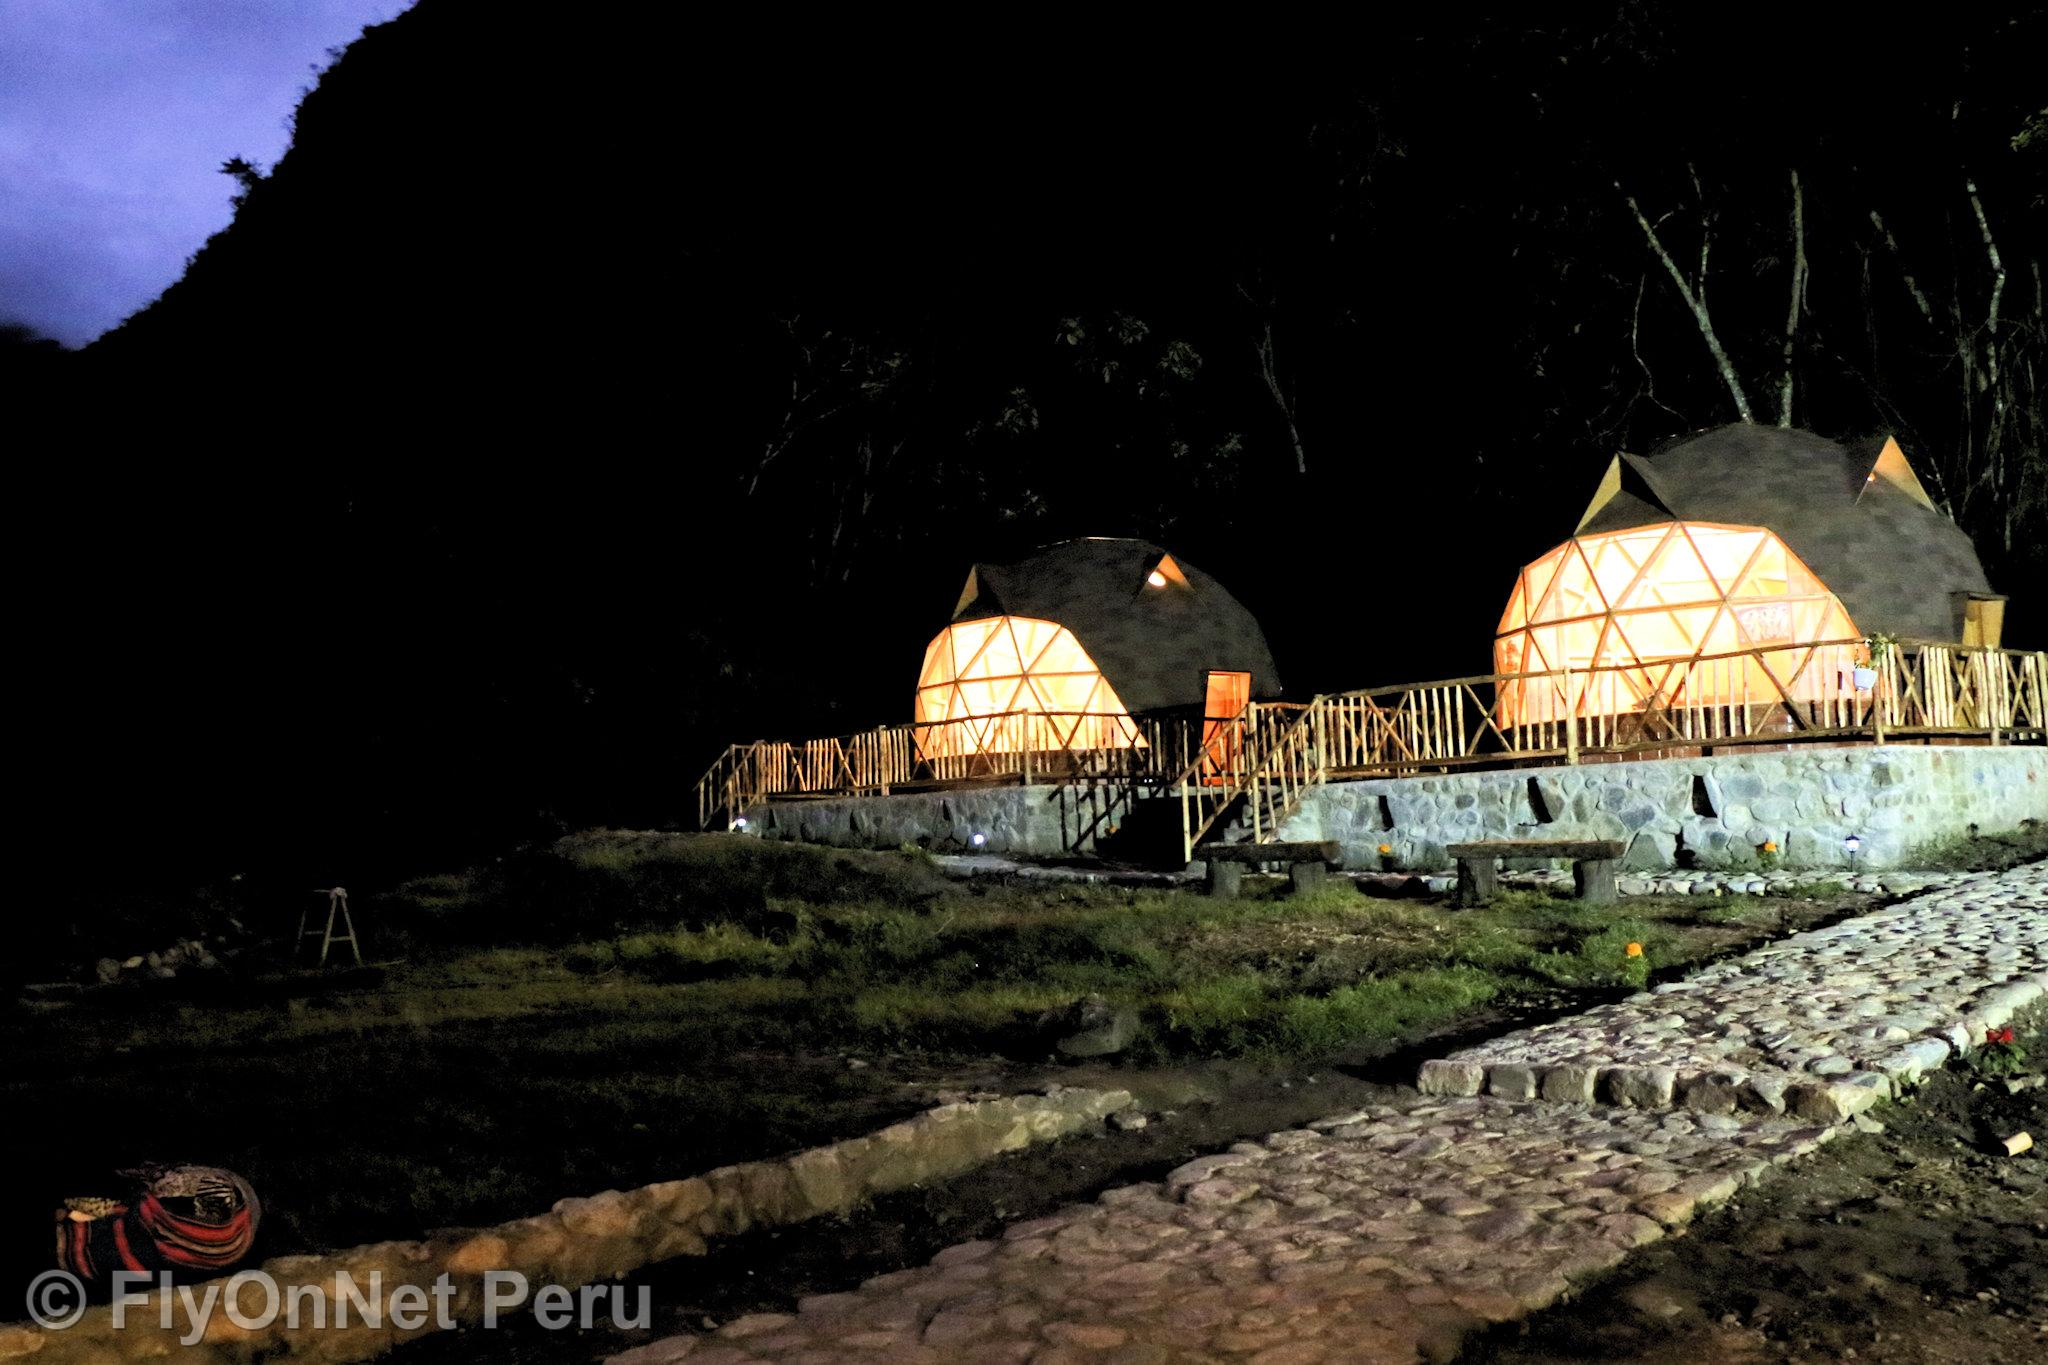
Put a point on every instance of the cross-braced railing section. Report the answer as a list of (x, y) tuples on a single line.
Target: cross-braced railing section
[(1938, 687)]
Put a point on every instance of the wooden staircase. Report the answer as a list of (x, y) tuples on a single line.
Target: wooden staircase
[(1256, 768)]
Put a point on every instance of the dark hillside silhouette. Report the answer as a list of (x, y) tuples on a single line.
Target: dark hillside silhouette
[(581, 392)]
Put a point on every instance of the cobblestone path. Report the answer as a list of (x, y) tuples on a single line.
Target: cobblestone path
[(1390, 1233), (1820, 1024)]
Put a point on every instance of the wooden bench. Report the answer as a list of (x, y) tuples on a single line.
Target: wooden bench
[(1593, 865), (1308, 864)]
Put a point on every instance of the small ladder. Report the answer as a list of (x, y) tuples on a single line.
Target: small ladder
[(337, 908)]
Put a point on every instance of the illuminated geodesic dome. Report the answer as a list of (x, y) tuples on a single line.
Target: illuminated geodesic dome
[(1632, 614), (1062, 649), (1731, 539), (1854, 512)]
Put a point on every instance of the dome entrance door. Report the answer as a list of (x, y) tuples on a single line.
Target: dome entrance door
[(1222, 734)]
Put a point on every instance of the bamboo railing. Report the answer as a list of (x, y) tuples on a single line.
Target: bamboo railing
[(1761, 694), (1027, 746), (1273, 752)]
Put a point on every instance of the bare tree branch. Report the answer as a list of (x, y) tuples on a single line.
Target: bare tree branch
[(1997, 291), (1696, 301), (1798, 298), (1912, 286), (1269, 371), (807, 406), (1649, 380)]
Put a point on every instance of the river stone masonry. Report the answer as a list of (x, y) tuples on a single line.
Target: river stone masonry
[(1382, 1235), (1820, 1025), (1694, 882), (1720, 810)]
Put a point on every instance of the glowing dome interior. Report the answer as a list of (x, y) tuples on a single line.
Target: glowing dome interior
[(1637, 614)]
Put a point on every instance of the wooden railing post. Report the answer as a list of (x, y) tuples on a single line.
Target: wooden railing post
[(1322, 718), (1571, 721)]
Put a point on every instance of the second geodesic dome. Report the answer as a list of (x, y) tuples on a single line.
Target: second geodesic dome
[(1062, 648), (1767, 540)]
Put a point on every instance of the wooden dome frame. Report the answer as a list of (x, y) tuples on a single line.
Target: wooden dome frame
[(1621, 620)]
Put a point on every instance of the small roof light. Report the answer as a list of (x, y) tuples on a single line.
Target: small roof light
[(1853, 843), (1156, 579)]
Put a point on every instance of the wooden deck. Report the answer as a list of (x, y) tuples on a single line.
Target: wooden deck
[(1262, 762)]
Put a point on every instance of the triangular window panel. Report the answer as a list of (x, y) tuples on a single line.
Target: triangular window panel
[(1582, 641), (1677, 576), (1766, 575), (938, 663), (1610, 484), (1507, 653), (990, 655), (1537, 580), (1621, 646), (1588, 644), (1516, 614), (1571, 592), (1801, 579), (969, 592), (1724, 551), (1892, 467), (1617, 563), (1721, 635), (1038, 642), (1165, 574)]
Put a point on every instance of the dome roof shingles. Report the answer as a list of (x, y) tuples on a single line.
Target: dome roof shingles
[(1155, 645), (1866, 529)]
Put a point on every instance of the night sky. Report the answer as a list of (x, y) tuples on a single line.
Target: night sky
[(115, 116), (456, 494)]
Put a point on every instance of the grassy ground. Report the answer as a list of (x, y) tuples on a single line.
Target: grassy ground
[(651, 1007)]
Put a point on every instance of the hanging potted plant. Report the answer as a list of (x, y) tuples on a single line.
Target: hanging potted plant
[(1880, 644)]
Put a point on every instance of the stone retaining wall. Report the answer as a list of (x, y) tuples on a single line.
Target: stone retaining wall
[(1036, 822), (1721, 810), (584, 1240)]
